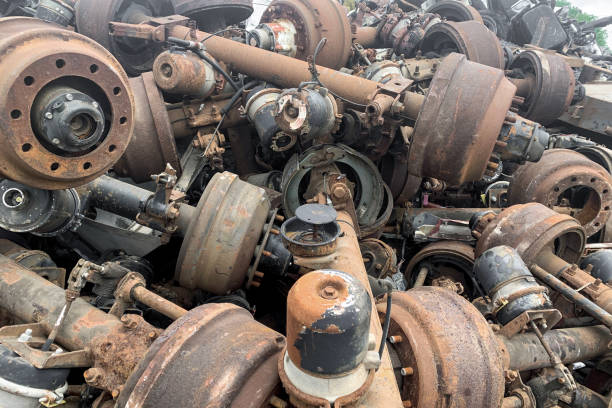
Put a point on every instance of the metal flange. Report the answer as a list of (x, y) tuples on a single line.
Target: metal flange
[(44, 59)]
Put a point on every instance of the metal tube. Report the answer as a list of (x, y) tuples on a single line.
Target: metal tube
[(158, 303), (289, 72), (420, 280), (116, 196), (512, 402), (525, 351), (31, 298), (585, 304), (126, 200), (524, 86), (367, 36)]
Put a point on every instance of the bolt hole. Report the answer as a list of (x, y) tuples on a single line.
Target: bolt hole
[(574, 179), (166, 70), (607, 208), (29, 80), (112, 148), (54, 166), (16, 114), (26, 147), (60, 63), (93, 68), (592, 180), (605, 191), (597, 224), (123, 120), (556, 188), (116, 90), (87, 166)]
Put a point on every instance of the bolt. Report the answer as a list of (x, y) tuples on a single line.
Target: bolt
[(49, 115), (406, 371), (329, 292), (56, 141), (93, 375), (339, 192), (69, 97), (95, 105), (395, 339), (129, 321)]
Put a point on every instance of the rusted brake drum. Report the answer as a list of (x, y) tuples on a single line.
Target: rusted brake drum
[(65, 104), (468, 102), (567, 182), (221, 240), (313, 20), (455, 11), (153, 143), (93, 17), (445, 350), (546, 81), (216, 355), (471, 38), (531, 228), (449, 259)]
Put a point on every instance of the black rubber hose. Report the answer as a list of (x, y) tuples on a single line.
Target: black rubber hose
[(387, 322), (216, 66), (237, 95)]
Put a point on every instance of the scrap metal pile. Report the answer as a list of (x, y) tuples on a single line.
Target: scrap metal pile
[(405, 205)]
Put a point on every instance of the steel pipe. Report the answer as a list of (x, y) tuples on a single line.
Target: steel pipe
[(525, 352)]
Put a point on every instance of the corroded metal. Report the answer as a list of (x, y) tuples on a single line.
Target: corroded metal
[(551, 86), (525, 352), (153, 144), (567, 182), (41, 56), (115, 346), (532, 228), (470, 38), (285, 71), (468, 121), (185, 73), (379, 258), (441, 333), (450, 259), (347, 258), (313, 20), (455, 11), (220, 241), (216, 355), (92, 18)]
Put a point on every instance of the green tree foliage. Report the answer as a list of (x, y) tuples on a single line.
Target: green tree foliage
[(577, 14)]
